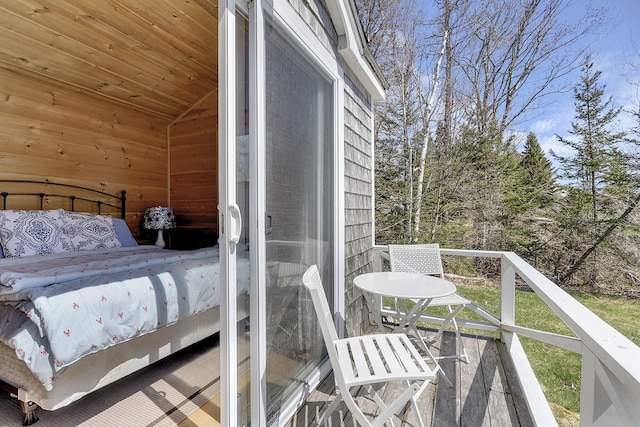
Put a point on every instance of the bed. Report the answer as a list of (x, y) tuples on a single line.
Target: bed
[(82, 305)]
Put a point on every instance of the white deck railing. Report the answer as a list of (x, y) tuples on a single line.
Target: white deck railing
[(610, 384)]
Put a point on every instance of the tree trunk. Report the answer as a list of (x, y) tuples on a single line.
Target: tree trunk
[(600, 239), (428, 109)]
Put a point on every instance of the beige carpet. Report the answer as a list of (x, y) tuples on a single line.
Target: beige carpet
[(161, 395)]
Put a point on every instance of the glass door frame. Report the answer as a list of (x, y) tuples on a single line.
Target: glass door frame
[(257, 190), (229, 214), (288, 19)]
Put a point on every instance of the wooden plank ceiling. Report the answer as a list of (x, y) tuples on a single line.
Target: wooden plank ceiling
[(158, 56)]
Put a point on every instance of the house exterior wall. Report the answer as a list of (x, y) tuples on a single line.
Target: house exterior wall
[(316, 16), (358, 187), (358, 169)]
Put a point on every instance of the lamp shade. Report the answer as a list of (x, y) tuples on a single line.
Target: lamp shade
[(159, 218)]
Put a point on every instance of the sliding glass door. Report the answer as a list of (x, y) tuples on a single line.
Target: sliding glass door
[(243, 266), (278, 169), (299, 213), (234, 254)]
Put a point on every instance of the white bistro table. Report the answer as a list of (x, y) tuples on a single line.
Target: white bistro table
[(418, 288)]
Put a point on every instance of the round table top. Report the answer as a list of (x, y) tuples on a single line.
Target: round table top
[(404, 285)]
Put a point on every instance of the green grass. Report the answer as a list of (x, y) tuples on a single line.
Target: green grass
[(557, 370)]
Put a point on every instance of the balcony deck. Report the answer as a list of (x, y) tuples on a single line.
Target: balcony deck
[(484, 392)]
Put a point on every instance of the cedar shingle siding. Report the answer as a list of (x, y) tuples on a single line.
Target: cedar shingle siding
[(358, 164), (358, 187)]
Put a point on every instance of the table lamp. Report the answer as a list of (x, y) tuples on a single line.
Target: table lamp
[(159, 218)]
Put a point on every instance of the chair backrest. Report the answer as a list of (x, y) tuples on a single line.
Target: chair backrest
[(311, 280), (422, 259)]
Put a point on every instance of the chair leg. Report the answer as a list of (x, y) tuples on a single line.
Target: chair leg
[(332, 407), (430, 355), (451, 318), (387, 411), (414, 403), (376, 398), (395, 406), (444, 375), (462, 351), (357, 413)]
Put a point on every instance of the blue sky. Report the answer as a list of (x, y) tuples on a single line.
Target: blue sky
[(613, 54)]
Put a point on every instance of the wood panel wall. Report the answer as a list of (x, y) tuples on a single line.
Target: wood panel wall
[(193, 171), (50, 131)]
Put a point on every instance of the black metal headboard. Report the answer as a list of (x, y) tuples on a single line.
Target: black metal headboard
[(71, 192)]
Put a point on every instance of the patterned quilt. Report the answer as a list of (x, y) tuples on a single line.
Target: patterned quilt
[(62, 307)]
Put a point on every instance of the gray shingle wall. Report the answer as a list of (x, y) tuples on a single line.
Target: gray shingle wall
[(358, 111), (316, 16), (358, 200)]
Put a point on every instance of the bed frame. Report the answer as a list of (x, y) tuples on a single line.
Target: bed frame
[(23, 196), (97, 370), (64, 196)]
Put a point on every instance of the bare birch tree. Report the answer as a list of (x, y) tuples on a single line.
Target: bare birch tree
[(490, 62), (428, 108), (393, 29), (516, 53)]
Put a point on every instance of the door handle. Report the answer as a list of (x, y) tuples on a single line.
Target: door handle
[(235, 223)]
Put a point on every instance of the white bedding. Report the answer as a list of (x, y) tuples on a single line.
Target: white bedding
[(67, 306), (100, 369)]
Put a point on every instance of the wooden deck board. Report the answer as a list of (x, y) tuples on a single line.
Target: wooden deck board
[(484, 392), (473, 399), (499, 403), (517, 394)]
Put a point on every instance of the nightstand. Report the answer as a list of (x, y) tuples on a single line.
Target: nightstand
[(192, 237)]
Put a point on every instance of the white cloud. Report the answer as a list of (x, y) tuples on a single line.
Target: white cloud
[(543, 126), (557, 118), (550, 142)]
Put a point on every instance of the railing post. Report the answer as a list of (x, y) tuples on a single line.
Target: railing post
[(587, 388), (604, 400), (508, 292), (375, 301), (376, 258)]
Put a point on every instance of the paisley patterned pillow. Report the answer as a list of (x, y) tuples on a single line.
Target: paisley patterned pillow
[(38, 232), (24, 233), (87, 231)]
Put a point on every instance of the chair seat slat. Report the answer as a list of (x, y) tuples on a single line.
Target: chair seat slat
[(410, 362), (377, 364), (362, 371), (390, 355)]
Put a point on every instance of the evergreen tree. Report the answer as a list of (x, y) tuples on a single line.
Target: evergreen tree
[(533, 188), (488, 168), (528, 199), (539, 185), (595, 174)]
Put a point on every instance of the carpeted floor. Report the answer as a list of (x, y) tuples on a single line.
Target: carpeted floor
[(161, 395)]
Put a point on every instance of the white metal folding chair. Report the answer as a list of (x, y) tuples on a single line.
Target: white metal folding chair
[(425, 259), (367, 360)]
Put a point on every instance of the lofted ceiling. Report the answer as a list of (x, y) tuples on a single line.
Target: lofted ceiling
[(159, 56)]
